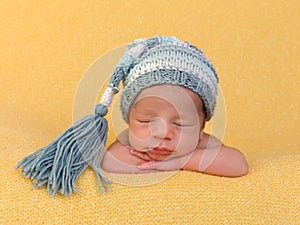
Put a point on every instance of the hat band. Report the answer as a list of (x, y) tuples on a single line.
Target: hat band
[(201, 71)]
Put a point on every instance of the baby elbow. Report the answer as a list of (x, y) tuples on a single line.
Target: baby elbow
[(241, 166), (234, 162), (243, 170)]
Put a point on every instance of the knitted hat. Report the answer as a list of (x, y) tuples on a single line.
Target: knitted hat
[(165, 60)]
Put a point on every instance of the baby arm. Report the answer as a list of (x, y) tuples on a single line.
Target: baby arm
[(211, 157), (227, 162)]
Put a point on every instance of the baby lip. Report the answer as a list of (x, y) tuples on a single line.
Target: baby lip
[(161, 150)]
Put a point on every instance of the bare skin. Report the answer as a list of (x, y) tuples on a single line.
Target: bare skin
[(166, 133)]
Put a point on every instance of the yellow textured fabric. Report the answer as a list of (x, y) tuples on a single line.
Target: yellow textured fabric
[(45, 48)]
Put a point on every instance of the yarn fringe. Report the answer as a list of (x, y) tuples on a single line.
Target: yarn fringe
[(59, 164)]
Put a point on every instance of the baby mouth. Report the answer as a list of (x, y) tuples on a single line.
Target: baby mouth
[(160, 151)]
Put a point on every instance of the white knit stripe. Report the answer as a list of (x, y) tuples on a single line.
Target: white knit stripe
[(198, 69), (107, 96)]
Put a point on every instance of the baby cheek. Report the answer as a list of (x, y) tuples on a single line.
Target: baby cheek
[(140, 132), (140, 138), (187, 141)]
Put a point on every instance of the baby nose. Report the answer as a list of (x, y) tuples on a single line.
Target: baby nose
[(161, 129)]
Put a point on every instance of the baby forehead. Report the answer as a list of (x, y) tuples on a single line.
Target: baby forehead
[(174, 95)]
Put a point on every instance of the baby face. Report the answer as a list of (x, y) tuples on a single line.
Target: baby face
[(166, 121)]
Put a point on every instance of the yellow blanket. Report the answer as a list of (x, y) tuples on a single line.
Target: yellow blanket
[(45, 49), (269, 194)]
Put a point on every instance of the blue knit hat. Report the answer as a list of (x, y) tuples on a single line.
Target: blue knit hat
[(163, 60), (147, 62), (167, 60)]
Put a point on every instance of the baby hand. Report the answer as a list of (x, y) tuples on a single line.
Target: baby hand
[(166, 165), (141, 155)]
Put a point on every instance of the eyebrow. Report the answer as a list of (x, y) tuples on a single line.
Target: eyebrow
[(143, 110)]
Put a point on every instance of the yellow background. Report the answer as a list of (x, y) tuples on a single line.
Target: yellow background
[(46, 47)]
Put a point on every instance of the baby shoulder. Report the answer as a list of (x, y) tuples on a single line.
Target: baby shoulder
[(208, 141)]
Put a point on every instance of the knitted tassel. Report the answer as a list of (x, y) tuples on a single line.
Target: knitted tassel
[(59, 164)]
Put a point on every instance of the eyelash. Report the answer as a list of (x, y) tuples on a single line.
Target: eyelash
[(175, 124), (144, 121), (181, 125)]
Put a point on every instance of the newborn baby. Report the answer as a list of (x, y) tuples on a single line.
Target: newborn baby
[(166, 124)]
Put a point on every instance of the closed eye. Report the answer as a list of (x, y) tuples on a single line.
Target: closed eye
[(144, 121), (183, 125), (150, 120), (179, 124)]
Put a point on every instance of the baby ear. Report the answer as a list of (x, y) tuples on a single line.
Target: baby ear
[(201, 133)]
